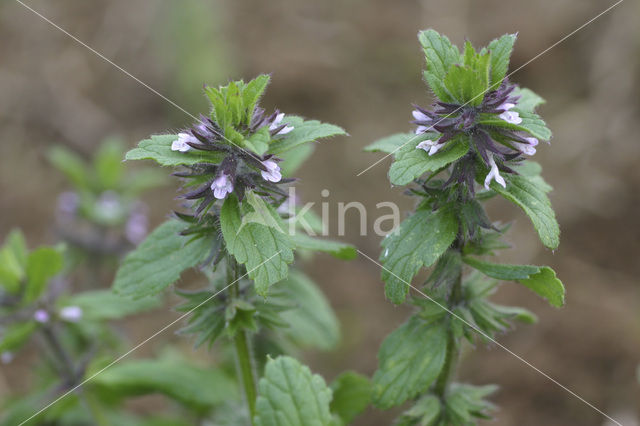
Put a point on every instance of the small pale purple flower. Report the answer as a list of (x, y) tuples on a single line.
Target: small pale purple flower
[(272, 174), (526, 148), (506, 106), (494, 174), (421, 119), (277, 123), (136, 227), (181, 144), (6, 357), (511, 117), (429, 146), (222, 186), (41, 316), (68, 202), (71, 313)]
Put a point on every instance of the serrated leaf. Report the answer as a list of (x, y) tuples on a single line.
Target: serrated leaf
[(540, 279), (469, 84), (464, 404), (289, 395), (262, 214), (158, 148), (100, 305), (410, 360), (311, 321), (336, 249), (252, 92), (440, 55), (172, 377), (159, 260), (265, 251), (351, 395), (42, 264), (500, 54), (304, 131), (530, 196), (528, 99), (531, 123), (420, 241), (392, 143), (410, 162), (425, 412)]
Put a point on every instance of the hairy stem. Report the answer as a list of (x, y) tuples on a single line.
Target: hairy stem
[(244, 354), (453, 348)]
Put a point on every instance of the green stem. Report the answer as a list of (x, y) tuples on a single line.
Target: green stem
[(244, 354), (453, 348)]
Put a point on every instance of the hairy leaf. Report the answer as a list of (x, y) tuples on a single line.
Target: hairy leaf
[(304, 131), (337, 249), (410, 162), (392, 143), (158, 148), (440, 55), (500, 49), (289, 395), (159, 261), (410, 360), (540, 279), (420, 241), (42, 264), (264, 250)]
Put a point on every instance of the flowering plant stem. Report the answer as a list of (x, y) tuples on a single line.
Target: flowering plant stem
[(244, 353)]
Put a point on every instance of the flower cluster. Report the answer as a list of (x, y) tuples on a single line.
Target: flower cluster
[(239, 170), (495, 145)]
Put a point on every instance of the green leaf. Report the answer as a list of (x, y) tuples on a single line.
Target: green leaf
[(253, 92), (264, 250), (100, 305), (15, 335), (158, 148), (262, 214), (294, 158), (71, 165), (42, 264), (289, 395), (500, 54), (410, 360), (540, 279), (464, 404), (336, 249), (425, 412), (528, 99), (304, 131), (311, 321), (159, 260), (411, 163), (420, 241), (440, 55), (532, 123), (108, 163), (392, 143), (468, 84), (13, 261), (530, 196), (351, 395), (200, 388)]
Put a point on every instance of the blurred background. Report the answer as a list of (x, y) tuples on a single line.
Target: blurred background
[(358, 64)]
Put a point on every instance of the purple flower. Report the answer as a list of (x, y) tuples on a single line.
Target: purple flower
[(526, 148), (136, 227), (512, 117), (272, 174), (493, 174), (181, 144), (71, 313), (421, 119), (222, 186), (41, 316), (6, 357), (280, 129), (429, 146)]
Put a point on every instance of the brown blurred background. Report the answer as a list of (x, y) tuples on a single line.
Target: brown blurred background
[(357, 63)]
